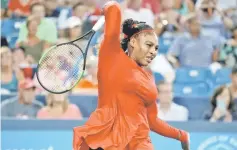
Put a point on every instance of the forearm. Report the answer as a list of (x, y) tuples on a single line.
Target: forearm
[(161, 127), (112, 15)]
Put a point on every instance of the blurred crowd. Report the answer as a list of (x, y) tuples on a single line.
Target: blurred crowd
[(192, 34)]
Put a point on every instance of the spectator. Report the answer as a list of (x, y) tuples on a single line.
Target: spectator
[(46, 30), (233, 85), (168, 110), (51, 8), (58, 107), (23, 106), (166, 33), (18, 55), (74, 27), (214, 23), (184, 6), (153, 5), (228, 53), (33, 45), (169, 17), (90, 80), (80, 10), (222, 106), (136, 12), (185, 49), (8, 75)]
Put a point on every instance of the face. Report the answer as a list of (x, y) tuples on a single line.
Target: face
[(136, 4), (28, 95), (75, 32), (18, 56), (165, 93), (51, 4), (32, 27), (224, 97), (167, 4), (194, 26), (144, 48), (6, 59), (80, 11), (208, 11), (234, 79), (38, 11)]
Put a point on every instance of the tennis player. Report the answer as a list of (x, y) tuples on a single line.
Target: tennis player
[(127, 108)]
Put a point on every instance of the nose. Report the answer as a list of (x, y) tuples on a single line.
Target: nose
[(153, 51)]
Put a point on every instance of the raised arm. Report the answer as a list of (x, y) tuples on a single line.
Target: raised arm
[(161, 127), (112, 15)]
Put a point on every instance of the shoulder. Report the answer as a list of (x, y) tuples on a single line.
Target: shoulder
[(9, 102)]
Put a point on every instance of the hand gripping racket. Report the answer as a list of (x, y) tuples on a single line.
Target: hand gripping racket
[(62, 66)]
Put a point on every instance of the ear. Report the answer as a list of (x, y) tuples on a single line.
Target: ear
[(132, 42)]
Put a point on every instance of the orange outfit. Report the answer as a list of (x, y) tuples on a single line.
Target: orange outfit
[(126, 102)]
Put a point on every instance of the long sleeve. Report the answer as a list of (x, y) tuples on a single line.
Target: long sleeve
[(161, 127), (110, 46), (112, 15)]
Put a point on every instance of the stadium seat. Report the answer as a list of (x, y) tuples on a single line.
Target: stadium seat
[(191, 75), (7, 96), (164, 44), (222, 76), (190, 90), (158, 77), (87, 104), (196, 106), (10, 30)]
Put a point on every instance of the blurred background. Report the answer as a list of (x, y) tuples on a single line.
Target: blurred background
[(195, 70)]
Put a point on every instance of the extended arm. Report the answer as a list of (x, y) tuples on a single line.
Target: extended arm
[(161, 127), (112, 15)]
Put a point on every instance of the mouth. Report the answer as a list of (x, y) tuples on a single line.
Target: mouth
[(149, 59)]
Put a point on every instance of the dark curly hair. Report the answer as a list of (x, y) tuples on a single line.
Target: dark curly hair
[(131, 27), (217, 92)]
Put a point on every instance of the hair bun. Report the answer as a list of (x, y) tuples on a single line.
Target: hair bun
[(127, 26)]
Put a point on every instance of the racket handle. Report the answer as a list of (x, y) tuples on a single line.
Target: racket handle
[(99, 24)]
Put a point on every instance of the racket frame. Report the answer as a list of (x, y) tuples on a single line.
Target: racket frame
[(92, 32)]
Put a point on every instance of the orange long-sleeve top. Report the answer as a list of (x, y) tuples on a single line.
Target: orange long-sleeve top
[(127, 95)]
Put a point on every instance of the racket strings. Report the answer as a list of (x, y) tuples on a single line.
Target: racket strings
[(61, 68)]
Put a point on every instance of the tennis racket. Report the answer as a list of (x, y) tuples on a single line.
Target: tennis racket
[(62, 66)]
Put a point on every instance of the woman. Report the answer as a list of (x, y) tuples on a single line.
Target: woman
[(33, 46), (8, 75), (228, 52), (222, 106), (127, 92), (58, 107)]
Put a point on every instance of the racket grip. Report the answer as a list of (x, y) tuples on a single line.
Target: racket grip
[(99, 24)]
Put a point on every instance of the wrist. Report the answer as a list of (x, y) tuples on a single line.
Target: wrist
[(183, 136)]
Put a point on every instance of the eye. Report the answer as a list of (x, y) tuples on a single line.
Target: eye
[(149, 45), (157, 47)]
